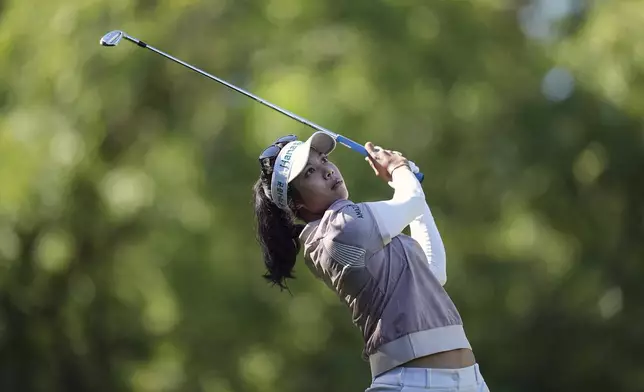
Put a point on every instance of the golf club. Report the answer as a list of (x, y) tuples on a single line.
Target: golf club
[(114, 37)]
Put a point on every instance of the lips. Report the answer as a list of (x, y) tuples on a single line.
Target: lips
[(337, 184)]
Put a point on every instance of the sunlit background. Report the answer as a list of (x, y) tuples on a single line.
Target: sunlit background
[(127, 253)]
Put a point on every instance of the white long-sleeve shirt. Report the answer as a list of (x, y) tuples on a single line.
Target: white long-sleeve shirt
[(408, 207)]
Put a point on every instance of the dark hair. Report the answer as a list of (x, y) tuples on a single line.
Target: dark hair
[(277, 232)]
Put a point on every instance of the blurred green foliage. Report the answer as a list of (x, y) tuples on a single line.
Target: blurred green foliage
[(127, 254)]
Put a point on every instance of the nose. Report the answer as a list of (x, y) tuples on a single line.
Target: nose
[(328, 174)]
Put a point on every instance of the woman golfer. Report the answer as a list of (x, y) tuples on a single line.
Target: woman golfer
[(392, 283)]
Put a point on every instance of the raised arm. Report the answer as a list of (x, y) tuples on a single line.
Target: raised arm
[(408, 201), (407, 207)]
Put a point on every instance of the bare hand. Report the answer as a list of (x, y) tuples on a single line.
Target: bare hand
[(384, 162)]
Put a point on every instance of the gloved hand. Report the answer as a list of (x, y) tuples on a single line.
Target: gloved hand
[(415, 169)]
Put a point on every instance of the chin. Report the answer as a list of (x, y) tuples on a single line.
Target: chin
[(343, 193)]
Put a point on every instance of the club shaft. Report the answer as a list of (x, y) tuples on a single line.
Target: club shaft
[(232, 86), (339, 138)]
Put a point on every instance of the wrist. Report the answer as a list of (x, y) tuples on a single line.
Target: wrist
[(403, 165)]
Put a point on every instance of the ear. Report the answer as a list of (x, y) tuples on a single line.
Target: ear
[(299, 207), (295, 198)]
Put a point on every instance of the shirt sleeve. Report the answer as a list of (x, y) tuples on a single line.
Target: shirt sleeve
[(407, 203), (423, 229)]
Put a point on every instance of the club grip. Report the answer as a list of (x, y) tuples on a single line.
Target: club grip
[(360, 148)]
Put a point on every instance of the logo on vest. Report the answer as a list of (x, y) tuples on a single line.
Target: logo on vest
[(357, 210)]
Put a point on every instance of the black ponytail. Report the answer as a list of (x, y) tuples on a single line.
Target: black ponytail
[(277, 234)]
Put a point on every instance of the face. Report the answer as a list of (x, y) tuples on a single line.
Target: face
[(319, 185)]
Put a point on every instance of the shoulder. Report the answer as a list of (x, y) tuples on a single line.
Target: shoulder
[(345, 233), (351, 224), (346, 215)]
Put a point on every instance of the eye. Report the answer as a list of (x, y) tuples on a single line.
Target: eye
[(309, 171), (325, 159)]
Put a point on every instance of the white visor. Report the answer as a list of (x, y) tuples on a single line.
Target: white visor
[(290, 162)]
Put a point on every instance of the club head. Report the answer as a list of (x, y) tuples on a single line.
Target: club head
[(112, 38)]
